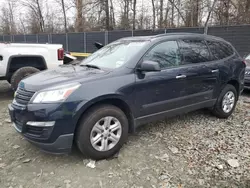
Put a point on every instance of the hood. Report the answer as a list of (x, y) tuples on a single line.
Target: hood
[(62, 75)]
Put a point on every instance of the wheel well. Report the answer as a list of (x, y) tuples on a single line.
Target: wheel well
[(18, 62), (119, 104), (236, 84)]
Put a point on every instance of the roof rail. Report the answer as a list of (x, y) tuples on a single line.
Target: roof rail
[(177, 33)]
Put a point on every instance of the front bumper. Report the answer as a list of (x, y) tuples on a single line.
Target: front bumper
[(54, 139)]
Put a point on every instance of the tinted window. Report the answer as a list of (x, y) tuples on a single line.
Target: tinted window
[(194, 51), (219, 49), (166, 54)]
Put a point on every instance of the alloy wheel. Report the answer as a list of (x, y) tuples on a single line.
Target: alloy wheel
[(106, 133)]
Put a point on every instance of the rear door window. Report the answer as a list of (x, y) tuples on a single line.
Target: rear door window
[(220, 50), (194, 51)]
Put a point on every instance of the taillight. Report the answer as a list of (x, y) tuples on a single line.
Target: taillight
[(60, 54)]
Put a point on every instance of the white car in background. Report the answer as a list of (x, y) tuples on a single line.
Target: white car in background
[(18, 60)]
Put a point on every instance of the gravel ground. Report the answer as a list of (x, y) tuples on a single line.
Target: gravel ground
[(192, 150)]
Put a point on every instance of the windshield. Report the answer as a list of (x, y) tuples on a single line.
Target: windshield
[(114, 55)]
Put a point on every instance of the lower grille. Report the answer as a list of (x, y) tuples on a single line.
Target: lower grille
[(23, 96), (34, 130)]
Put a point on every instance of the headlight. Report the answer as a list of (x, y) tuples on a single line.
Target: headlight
[(55, 94)]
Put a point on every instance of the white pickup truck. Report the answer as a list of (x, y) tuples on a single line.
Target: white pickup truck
[(19, 60)]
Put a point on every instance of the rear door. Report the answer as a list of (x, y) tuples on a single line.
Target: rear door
[(220, 64), (201, 73)]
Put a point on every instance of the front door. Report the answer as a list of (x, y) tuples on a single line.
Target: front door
[(160, 91)]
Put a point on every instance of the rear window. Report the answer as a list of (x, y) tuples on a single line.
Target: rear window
[(220, 50), (194, 51)]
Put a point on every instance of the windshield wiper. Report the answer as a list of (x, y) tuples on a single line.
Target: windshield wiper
[(90, 66)]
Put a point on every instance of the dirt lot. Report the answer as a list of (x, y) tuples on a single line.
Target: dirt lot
[(193, 150)]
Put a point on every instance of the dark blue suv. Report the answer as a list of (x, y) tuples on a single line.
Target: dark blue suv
[(125, 84)]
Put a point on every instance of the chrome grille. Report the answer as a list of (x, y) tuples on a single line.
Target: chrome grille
[(23, 96)]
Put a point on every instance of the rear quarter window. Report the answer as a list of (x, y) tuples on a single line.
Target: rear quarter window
[(220, 50)]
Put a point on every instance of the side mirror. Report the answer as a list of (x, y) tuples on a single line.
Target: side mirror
[(98, 45), (150, 66)]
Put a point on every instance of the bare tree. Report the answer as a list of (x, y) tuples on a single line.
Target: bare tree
[(173, 5), (64, 16), (141, 17), (134, 13), (40, 16), (107, 14), (208, 17), (172, 13), (11, 7), (125, 14), (41, 19), (161, 14), (22, 25), (99, 12), (153, 9), (195, 12), (35, 9), (50, 25), (7, 18), (79, 16), (33, 25), (222, 12), (5, 22), (178, 15), (112, 13), (247, 12), (166, 19)]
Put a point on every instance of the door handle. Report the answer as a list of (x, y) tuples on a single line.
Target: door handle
[(180, 76), (215, 70)]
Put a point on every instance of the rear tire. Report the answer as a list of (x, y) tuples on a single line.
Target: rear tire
[(226, 102), (92, 133), (21, 74)]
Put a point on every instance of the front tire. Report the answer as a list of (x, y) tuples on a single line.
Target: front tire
[(226, 102), (102, 132), (21, 74)]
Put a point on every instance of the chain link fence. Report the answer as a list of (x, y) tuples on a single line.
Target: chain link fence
[(239, 36)]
